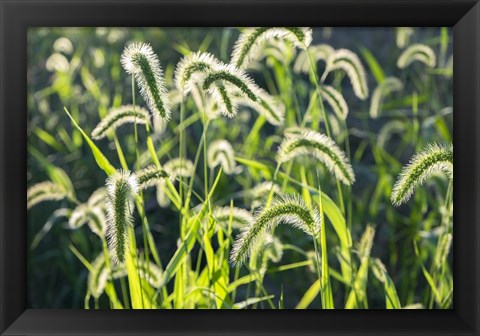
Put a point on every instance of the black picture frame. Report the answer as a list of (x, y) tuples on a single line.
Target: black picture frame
[(17, 15)]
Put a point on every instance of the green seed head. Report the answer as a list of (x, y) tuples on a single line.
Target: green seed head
[(417, 52), (284, 209), (122, 188), (434, 158), (343, 59), (319, 146), (251, 40), (220, 152), (119, 116), (44, 191), (139, 59), (238, 217), (150, 176)]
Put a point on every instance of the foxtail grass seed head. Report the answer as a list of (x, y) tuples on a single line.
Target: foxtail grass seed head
[(98, 276), (443, 250), (57, 63), (262, 189), (98, 221), (44, 191), (346, 60), (270, 107), (319, 52), (63, 45), (150, 272), (320, 147), (179, 167), (236, 216), (417, 52), (366, 242), (434, 158), (220, 152), (251, 40), (150, 176), (403, 36), (139, 59), (119, 116), (390, 128), (162, 197), (79, 217), (223, 100), (275, 50), (232, 76), (190, 68), (379, 270), (284, 209), (122, 188), (98, 197), (336, 101), (267, 248), (390, 84)]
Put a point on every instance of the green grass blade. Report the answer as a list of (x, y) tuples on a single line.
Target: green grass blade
[(187, 245), (373, 64), (101, 160)]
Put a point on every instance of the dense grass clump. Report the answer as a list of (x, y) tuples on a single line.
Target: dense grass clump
[(163, 161)]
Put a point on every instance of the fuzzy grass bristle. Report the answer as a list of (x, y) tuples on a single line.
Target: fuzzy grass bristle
[(320, 147), (120, 116), (434, 158), (220, 152), (140, 60), (122, 187), (417, 53), (389, 84), (348, 61), (251, 40), (288, 209), (44, 191)]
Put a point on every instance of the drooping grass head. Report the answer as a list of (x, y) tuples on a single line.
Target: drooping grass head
[(119, 116), (44, 191), (139, 59), (319, 146), (248, 44), (190, 68), (417, 53), (221, 153), (290, 209), (434, 158), (348, 61), (122, 187)]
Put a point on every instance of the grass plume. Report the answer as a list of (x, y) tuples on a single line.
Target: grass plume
[(150, 176), (251, 39), (140, 60), (44, 191), (320, 147), (122, 187), (434, 158), (221, 153), (119, 116), (389, 85), (336, 101), (237, 216), (417, 52), (346, 60), (290, 209)]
